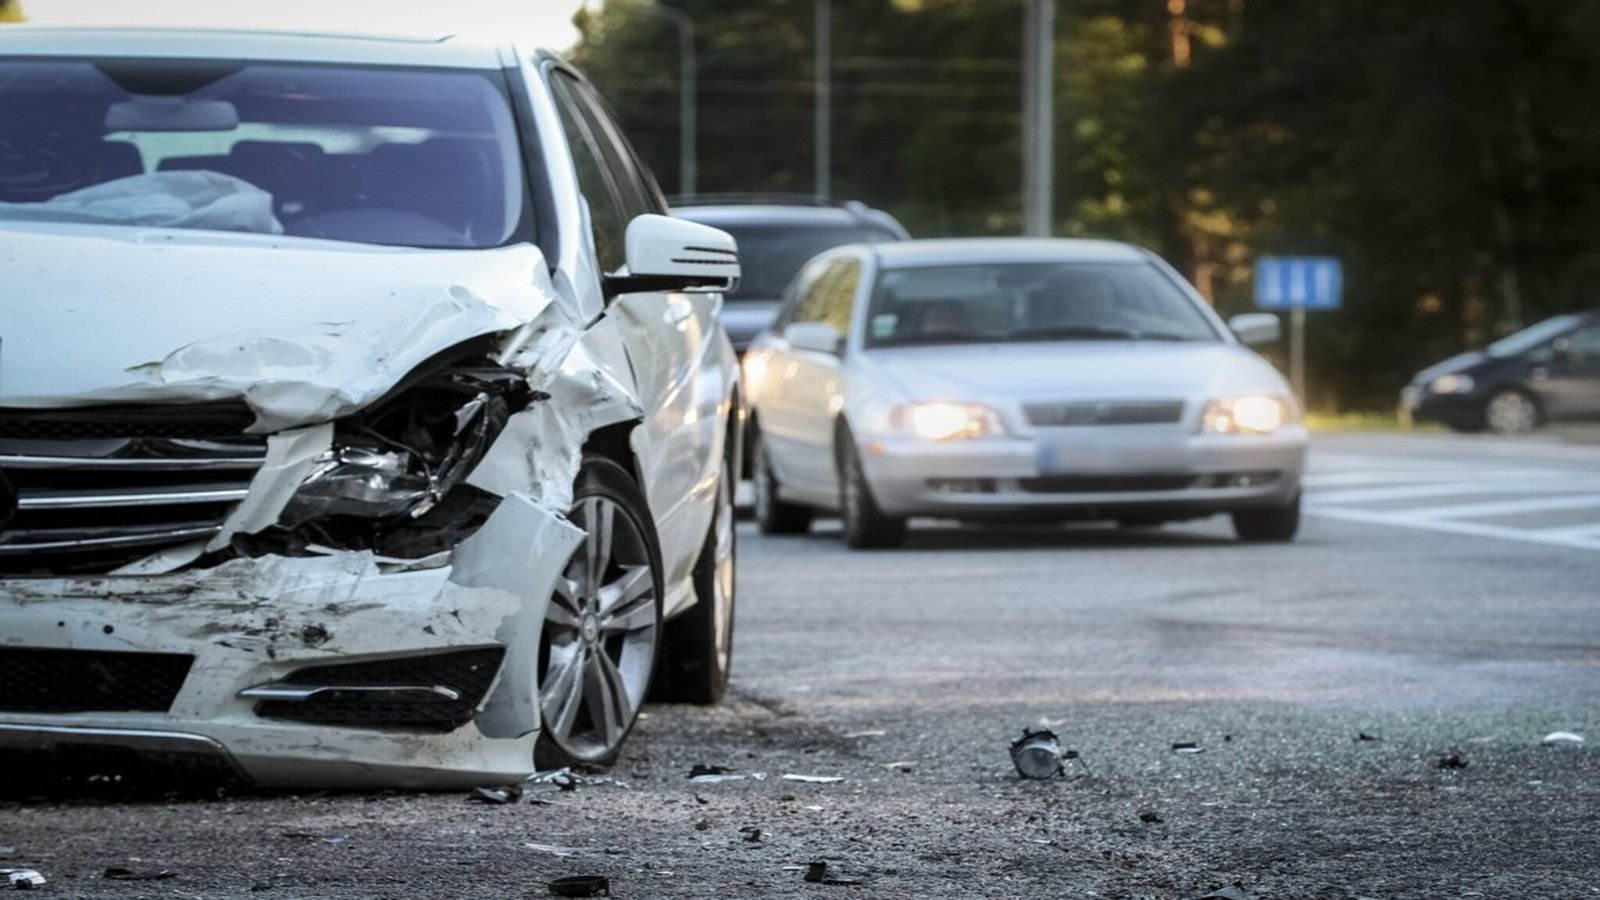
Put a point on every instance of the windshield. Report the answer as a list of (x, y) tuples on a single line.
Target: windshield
[(1031, 301), (414, 157), (1533, 336), (770, 255)]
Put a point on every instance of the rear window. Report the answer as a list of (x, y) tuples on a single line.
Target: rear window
[(383, 155), (770, 255)]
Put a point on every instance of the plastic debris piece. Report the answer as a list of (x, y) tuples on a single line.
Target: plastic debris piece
[(1363, 736), (581, 886), (701, 770), (703, 825), (904, 765), (1453, 761), (870, 732), (1037, 754), (1226, 892), (814, 779), (551, 849), (1562, 737), (1151, 817), (121, 873), (498, 795), (819, 873), (752, 834), (23, 879), (1187, 747)]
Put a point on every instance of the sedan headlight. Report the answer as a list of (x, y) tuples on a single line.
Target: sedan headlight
[(1251, 414), (950, 421), (1451, 384)]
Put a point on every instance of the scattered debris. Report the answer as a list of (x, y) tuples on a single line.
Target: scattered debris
[(704, 774), (581, 886), (904, 765), (312, 836), (1226, 892), (1562, 737), (1363, 736), (23, 879), (752, 834), (814, 779), (551, 849), (499, 795), (870, 732), (1453, 761), (701, 770), (568, 780), (818, 873), (701, 800), (120, 873), (1151, 817), (1187, 747), (703, 825), (1037, 754)]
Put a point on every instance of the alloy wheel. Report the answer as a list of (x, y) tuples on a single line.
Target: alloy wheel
[(1511, 412)]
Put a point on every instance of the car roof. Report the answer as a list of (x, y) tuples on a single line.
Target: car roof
[(446, 51), (968, 251)]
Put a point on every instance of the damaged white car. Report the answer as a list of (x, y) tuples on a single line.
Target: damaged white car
[(363, 420)]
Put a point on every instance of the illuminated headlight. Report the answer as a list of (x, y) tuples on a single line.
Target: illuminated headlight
[(950, 421), (1451, 384), (1246, 415)]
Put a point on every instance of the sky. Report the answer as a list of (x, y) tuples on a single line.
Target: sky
[(547, 23)]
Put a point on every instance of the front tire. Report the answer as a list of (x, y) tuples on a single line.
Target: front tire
[(1510, 411), (865, 525), (602, 628), (1268, 524), (697, 650)]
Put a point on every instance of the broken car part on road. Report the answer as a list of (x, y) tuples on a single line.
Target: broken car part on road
[(357, 458)]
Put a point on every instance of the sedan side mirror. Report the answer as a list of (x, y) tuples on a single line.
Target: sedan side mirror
[(818, 337), (667, 254), (1256, 328)]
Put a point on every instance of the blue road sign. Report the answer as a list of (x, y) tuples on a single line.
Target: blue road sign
[(1299, 282)]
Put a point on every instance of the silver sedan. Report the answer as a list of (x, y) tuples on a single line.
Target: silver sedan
[(1015, 379)]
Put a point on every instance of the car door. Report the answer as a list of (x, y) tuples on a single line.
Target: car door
[(667, 337), (808, 380), (1570, 387)]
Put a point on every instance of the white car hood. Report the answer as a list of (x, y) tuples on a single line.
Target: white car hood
[(301, 330), (1021, 372)]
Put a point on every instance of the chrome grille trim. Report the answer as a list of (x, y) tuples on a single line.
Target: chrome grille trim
[(1103, 412), (32, 500), (100, 464)]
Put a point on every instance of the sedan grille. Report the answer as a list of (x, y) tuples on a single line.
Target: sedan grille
[(72, 681), (1104, 412), (91, 489), (1105, 484), (439, 691)]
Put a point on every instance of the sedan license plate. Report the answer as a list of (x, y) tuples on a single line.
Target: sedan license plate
[(1099, 454)]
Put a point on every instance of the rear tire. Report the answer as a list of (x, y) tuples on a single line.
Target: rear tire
[(1268, 524), (602, 628), (1511, 411), (865, 525), (773, 516), (697, 649)]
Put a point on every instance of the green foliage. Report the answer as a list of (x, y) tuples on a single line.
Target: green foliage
[(1446, 151)]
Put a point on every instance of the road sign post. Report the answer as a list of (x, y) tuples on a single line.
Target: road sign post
[(1296, 284)]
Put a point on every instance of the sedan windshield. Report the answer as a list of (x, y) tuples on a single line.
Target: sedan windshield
[(1031, 301), (414, 157)]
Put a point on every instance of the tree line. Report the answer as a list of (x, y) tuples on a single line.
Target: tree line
[(1443, 149)]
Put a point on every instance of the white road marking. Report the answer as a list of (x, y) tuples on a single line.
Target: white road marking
[(1551, 537), (1504, 508)]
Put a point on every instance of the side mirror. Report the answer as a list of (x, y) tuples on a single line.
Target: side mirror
[(1256, 328), (818, 337), (667, 254)]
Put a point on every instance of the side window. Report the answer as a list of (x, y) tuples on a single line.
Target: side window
[(606, 213), (1584, 344), (832, 295)]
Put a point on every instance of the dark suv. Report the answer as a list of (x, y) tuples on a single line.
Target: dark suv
[(777, 233)]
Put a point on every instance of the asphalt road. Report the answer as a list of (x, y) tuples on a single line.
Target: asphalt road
[(1368, 704)]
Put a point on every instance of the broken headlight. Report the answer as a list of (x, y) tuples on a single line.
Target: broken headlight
[(402, 458)]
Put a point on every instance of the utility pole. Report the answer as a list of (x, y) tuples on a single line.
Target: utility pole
[(1038, 117), (823, 73), (686, 94)]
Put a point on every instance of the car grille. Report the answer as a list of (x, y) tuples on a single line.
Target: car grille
[(90, 489), (468, 673), (1104, 412), (1105, 484), (70, 681)]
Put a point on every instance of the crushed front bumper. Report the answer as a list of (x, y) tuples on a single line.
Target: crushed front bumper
[(250, 623), (1075, 473)]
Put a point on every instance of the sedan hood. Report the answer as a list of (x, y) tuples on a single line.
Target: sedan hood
[(1461, 362), (1059, 370), (301, 330)]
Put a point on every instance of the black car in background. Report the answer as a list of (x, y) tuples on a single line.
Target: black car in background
[(1547, 372), (777, 233)]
